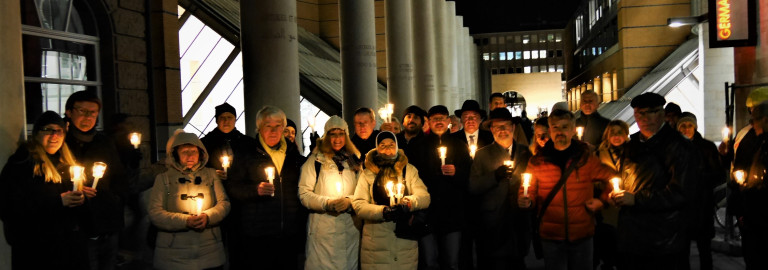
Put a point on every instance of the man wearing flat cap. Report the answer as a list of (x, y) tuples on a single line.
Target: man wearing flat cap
[(501, 224), (471, 116), (657, 191)]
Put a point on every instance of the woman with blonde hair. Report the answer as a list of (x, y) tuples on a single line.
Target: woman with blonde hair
[(326, 186), (44, 217)]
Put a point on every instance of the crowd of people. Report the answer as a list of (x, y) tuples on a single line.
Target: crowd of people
[(441, 191)]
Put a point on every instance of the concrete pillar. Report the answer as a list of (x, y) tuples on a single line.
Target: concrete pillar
[(424, 54), (441, 54), (718, 67), (607, 90), (475, 65), (13, 126), (450, 47), (460, 62), (270, 45), (597, 86), (468, 82), (358, 56), (399, 36)]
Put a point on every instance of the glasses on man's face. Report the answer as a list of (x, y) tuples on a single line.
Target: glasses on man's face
[(501, 127), (83, 111), (438, 119), (388, 146), (646, 113), (52, 131)]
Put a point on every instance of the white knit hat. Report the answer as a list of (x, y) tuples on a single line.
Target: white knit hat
[(336, 122)]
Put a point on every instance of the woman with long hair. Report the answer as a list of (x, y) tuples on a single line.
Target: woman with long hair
[(44, 218)]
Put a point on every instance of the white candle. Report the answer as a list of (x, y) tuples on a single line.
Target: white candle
[(739, 175), (225, 162), (442, 150), (390, 111), (77, 173), (270, 176), (311, 123), (390, 193), (472, 150), (400, 190), (726, 133), (509, 163), (136, 139), (526, 183), (339, 189), (579, 132), (615, 181), (98, 172), (383, 114), (199, 202)]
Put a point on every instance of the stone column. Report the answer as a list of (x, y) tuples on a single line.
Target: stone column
[(607, 90), (358, 56), (13, 127), (441, 54), (718, 67), (468, 81), (270, 58), (399, 36), (424, 54), (460, 62), (475, 68), (450, 46)]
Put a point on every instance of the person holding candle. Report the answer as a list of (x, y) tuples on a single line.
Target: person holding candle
[(268, 223), (702, 230), (565, 222), (593, 123), (365, 132), (226, 140), (610, 153), (381, 246), (42, 217), (333, 240), (187, 204), (501, 228), (108, 200), (658, 199), (448, 189)]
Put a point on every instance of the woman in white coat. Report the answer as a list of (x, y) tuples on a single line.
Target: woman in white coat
[(327, 182), (187, 203), (381, 248)]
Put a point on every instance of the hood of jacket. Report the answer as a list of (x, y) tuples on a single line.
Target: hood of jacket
[(180, 138)]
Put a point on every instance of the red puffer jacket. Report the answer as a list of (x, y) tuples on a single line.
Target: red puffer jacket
[(577, 189)]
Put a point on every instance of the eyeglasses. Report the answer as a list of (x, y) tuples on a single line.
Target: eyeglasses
[(85, 112), (438, 119), (51, 131), (501, 127), (388, 146), (647, 112)]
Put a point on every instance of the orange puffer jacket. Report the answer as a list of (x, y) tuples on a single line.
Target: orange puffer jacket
[(577, 189)]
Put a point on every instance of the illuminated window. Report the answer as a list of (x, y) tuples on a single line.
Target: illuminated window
[(510, 55), (526, 39), (542, 38), (552, 68), (543, 54), (527, 69), (518, 56), (535, 55), (579, 27), (486, 56), (527, 55), (558, 37), (550, 37), (502, 56), (559, 68)]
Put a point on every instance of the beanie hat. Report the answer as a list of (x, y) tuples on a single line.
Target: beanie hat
[(385, 135), (687, 119), (291, 124), (47, 118), (335, 122), (415, 110), (225, 108)]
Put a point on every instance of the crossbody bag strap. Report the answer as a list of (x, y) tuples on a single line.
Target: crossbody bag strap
[(554, 191)]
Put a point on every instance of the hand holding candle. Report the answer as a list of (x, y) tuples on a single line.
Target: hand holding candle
[(526, 183), (442, 150), (579, 132), (615, 181), (270, 176), (136, 139), (98, 172), (77, 174)]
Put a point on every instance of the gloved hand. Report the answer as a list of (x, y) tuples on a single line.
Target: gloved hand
[(313, 140), (395, 212), (502, 172)]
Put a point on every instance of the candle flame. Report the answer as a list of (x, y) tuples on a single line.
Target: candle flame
[(726, 133), (270, 173), (98, 169), (136, 139), (389, 187), (225, 161), (739, 175), (509, 163), (199, 202), (442, 150), (472, 150), (615, 181), (527, 179), (579, 131), (399, 190), (339, 187)]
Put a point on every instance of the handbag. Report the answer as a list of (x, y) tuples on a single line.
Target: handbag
[(538, 248)]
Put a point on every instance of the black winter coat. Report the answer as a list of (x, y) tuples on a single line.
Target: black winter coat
[(712, 175), (365, 146), (43, 234), (484, 138), (234, 144), (662, 173), (112, 190), (448, 193), (259, 216), (594, 126)]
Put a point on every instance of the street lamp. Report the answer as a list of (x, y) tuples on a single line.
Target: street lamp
[(680, 21)]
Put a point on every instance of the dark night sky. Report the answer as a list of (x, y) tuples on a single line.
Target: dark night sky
[(488, 16)]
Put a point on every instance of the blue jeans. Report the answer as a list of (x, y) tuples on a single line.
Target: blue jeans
[(561, 255), (440, 251)]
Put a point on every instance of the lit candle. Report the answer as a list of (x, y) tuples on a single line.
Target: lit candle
[(339, 189), (199, 202), (225, 162), (400, 190), (579, 132), (136, 140), (739, 175), (78, 174), (526, 183), (509, 163), (726, 133), (390, 111), (472, 150), (442, 150), (615, 181), (270, 176), (98, 172), (391, 193), (383, 114), (311, 123)]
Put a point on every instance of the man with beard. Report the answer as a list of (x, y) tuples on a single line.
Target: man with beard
[(413, 120), (446, 180)]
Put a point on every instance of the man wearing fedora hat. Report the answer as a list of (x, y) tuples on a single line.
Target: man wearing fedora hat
[(471, 116)]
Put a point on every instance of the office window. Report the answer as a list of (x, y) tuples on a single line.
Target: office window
[(552, 68), (579, 27), (493, 40), (486, 56), (535, 69), (526, 39), (527, 69), (559, 53), (542, 53), (518, 55), (550, 37), (494, 56), (502, 71), (527, 55), (534, 38), (510, 55), (550, 53), (503, 56), (518, 70), (543, 68), (558, 37), (542, 38), (517, 39), (559, 68), (494, 71), (535, 54)]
